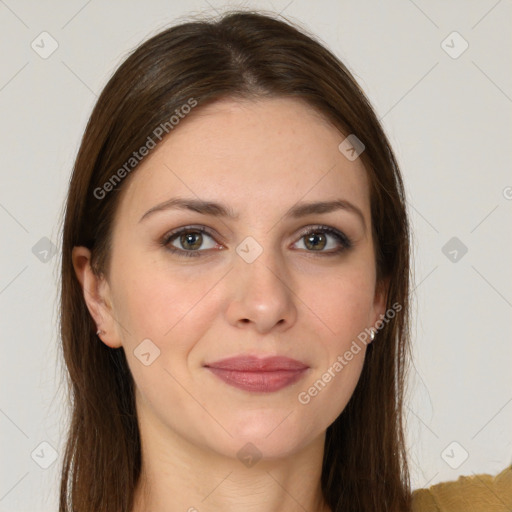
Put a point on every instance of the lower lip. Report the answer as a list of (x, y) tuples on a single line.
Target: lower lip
[(262, 382)]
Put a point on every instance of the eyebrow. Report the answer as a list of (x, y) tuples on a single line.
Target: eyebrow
[(220, 210)]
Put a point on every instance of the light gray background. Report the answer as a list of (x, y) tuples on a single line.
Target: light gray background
[(449, 122)]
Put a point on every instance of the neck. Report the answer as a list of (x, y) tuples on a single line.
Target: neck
[(179, 476)]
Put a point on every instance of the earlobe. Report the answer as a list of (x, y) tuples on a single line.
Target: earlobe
[(96, 295)]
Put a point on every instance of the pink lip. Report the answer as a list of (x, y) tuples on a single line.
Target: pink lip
[(254, 374)]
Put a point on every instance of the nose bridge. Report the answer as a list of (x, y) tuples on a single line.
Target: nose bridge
[(261, 291)]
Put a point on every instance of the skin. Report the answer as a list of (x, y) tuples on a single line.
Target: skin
[(259, 158)]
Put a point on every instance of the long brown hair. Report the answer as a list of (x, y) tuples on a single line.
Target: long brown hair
[(243, 54)]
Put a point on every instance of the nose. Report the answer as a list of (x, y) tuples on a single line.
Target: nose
[(261, 296)]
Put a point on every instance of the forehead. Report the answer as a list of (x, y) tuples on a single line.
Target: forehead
[(268, 154)]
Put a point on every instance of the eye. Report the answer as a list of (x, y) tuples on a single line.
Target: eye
[(189, 241), (192, 241), (324, 240)]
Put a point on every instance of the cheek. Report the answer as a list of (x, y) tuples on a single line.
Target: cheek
[(342, 305), (327, 394), (342, 302), (174, 312), (154, 304)]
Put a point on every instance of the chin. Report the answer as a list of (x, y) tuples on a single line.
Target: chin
[(273, 434)]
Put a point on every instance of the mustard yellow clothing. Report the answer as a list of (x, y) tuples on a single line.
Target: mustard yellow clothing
[(477, 493)]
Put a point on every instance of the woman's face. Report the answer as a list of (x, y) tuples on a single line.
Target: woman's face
[(273, 279)]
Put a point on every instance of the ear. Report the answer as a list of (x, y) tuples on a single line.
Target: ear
[(379, 303), (97, 297)]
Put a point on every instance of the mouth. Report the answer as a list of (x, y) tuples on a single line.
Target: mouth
[(263, 375)]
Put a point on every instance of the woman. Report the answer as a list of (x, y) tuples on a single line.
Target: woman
[(235, 283)]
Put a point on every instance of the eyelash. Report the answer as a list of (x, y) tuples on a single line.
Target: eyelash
[(340, 237)]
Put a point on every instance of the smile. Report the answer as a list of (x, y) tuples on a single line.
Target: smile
[(258, 375)]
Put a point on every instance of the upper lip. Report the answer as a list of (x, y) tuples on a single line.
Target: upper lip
[(245, 363)]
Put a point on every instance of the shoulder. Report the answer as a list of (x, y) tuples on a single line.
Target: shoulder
[(477, 493)]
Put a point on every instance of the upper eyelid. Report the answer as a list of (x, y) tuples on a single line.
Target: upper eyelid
[(192, 228)]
